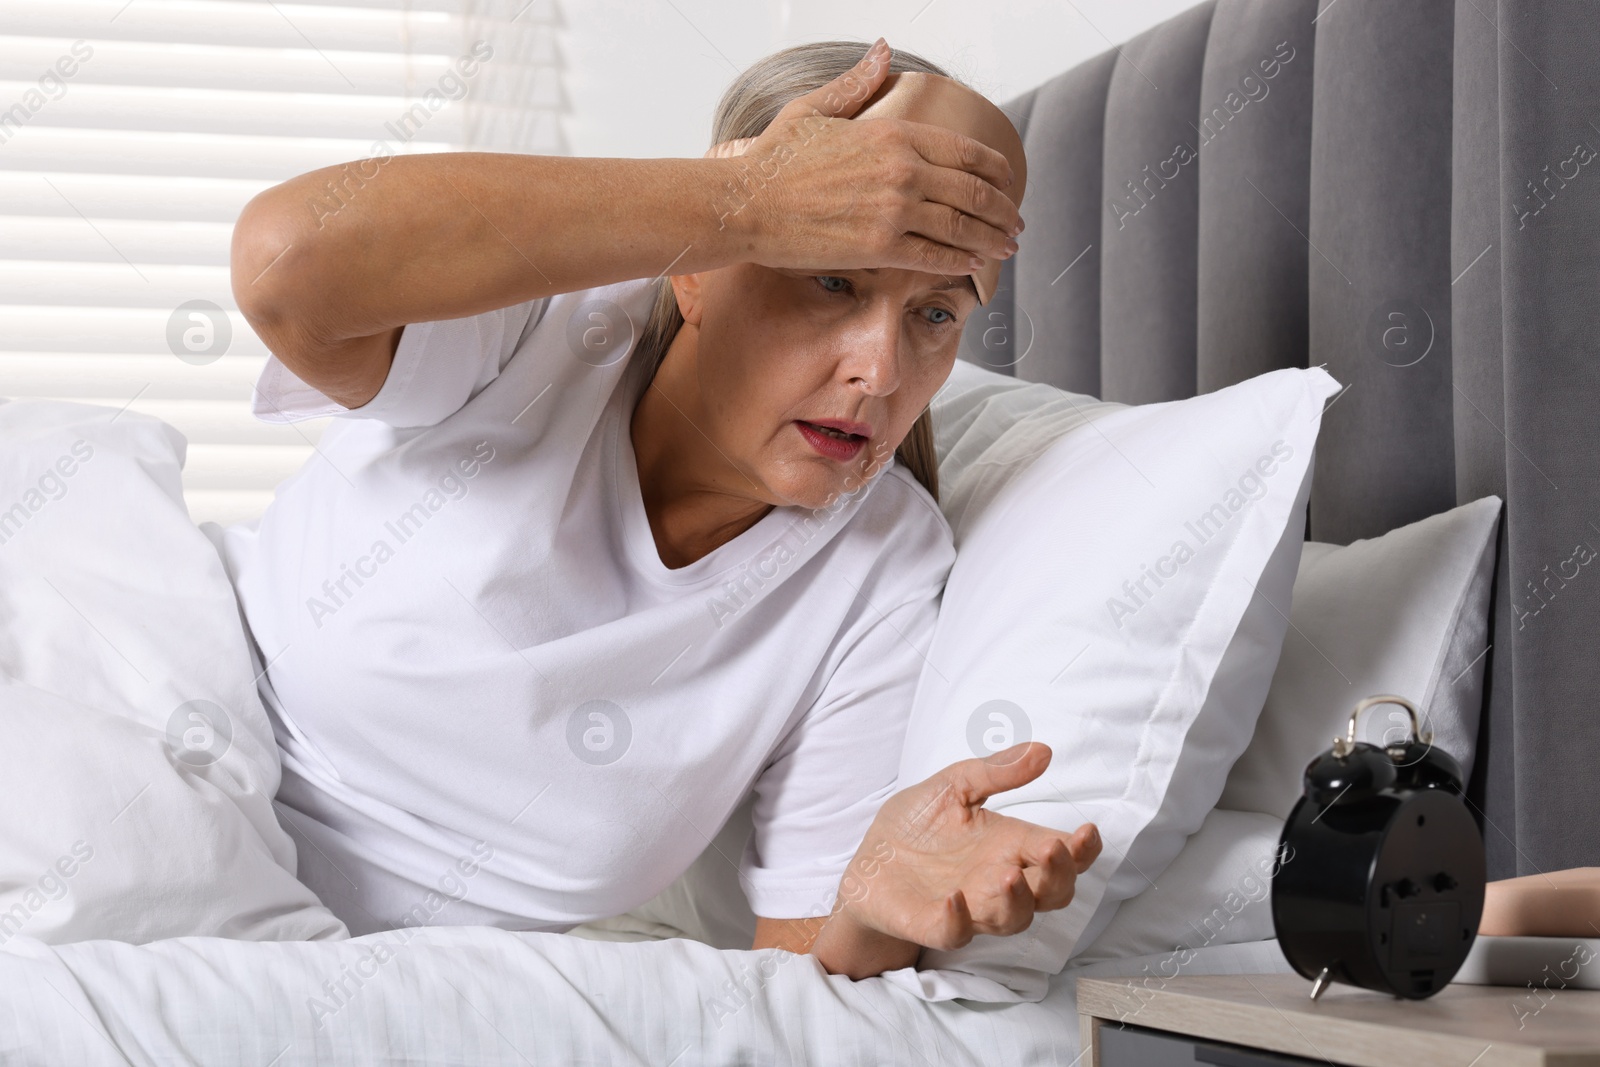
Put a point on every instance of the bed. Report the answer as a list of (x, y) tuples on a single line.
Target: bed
[(1348, 211)]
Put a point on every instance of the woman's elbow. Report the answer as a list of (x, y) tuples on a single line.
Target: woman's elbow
[(264, 271), (286, 292)]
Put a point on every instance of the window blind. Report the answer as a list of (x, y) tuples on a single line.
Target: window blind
[(131, 135)]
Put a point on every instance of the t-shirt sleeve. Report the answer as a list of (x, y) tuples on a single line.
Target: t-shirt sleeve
[(820, 791), (437, 367)]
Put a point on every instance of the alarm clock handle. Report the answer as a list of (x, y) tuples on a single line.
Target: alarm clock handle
[(1417, 733)]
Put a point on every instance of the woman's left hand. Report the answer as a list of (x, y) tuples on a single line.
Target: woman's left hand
[(937, 868)]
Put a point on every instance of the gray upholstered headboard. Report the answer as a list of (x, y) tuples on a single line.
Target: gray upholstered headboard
[(1408, 192)]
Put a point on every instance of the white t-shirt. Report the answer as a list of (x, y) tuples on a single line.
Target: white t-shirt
[(497, 706)]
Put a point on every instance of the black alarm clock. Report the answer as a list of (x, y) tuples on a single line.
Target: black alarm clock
[(1381, 866)]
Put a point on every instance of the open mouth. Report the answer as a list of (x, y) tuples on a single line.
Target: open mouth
[(831, 442), (840, 434)]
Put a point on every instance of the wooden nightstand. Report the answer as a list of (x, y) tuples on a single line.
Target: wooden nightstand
[(1269, 1020)]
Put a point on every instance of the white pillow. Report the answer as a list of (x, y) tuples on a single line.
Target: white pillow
[(1217, 892), (1095, 594), (138, 769), (988, 428), (1405, 613)]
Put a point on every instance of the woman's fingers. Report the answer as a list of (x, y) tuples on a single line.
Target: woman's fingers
[(932, 257), (1086, 845), (946, 225), (1055, 859), (976, 780), (1002, 909), (1010, 910), (843, 96), (975, 199), (960, 154), (954, 925), (1052, 870), (1050, 860)]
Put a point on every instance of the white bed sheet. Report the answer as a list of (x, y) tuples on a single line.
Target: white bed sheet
[(476, 995)]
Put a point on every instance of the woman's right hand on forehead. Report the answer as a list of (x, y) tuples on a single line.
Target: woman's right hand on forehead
[(819, 191)]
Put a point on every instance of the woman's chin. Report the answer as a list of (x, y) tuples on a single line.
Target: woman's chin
[(809, 497), (818, 489)]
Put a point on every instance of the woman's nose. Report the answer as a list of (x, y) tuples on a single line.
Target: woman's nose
[(873, 359)]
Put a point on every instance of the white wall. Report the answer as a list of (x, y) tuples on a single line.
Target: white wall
[(644, 75)]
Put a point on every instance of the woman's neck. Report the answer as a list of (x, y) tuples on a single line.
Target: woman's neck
[(688, 486)]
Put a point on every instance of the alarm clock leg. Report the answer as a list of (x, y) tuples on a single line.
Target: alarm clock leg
[(1322, 982)]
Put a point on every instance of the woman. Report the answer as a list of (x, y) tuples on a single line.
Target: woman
[(592, 553)]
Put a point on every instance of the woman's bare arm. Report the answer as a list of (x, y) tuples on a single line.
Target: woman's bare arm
[(328, 278), (850, 948), (329, 266)]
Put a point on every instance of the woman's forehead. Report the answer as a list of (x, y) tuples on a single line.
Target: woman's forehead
[(894, 279), (920, 280)]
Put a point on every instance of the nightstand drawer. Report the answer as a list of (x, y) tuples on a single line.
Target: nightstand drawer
[(1135, 1046)]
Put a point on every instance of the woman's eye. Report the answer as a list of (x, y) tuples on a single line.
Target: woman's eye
[(939, 318)]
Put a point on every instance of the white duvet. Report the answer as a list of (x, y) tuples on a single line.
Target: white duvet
[(475, 995)]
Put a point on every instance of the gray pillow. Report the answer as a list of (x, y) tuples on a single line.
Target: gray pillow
[(1405, 613)]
